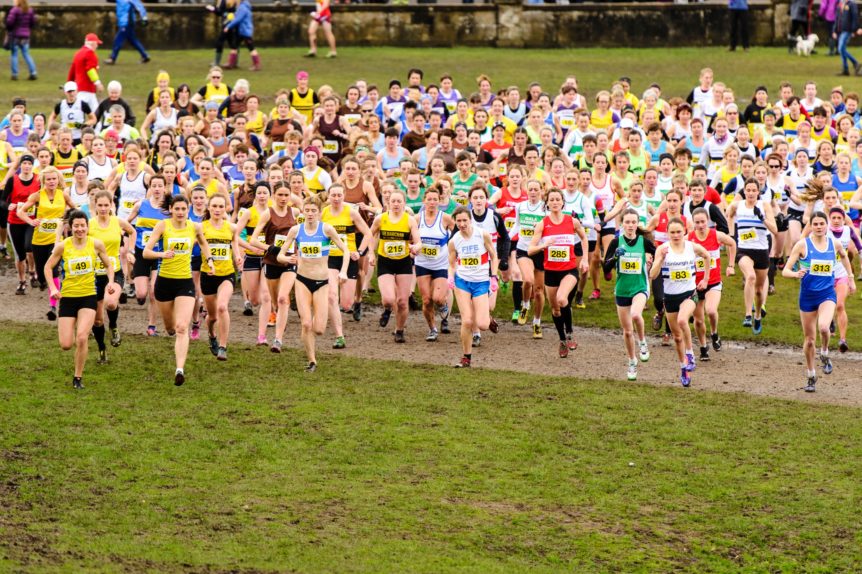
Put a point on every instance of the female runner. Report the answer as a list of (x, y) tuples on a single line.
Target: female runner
[(255, 291), (817, 256), (174, 289), (51, 203), (843, 234), (753, 221), (491, 222), (348, 224), (217, 287), (197, 212), (555, 236), (274, 225), (709, 300), (110, 230), (313, 239), (395, 241), (77, 296), (528, 214), (432, 261), (472, 275), (631, 254), (676, 261), (505, 202)]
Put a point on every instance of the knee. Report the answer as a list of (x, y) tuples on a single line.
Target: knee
[(181, 330), (306, 324), (681, 324), (222, 309), (627, 332), (483, 324), (81, 339), (562, 302), (65, 345), (318, 331), (283, 301), (401, 303), (750, 279)]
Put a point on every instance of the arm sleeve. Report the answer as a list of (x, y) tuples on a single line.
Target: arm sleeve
[(610, 255), (93, 74), (649, 246), (853, 235), (503, 241), (6, 192), (718, 218), (130, 115)]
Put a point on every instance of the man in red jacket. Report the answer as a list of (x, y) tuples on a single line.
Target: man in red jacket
[(85, 71)]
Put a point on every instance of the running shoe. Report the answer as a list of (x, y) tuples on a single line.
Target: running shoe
[(357, 311), (690, 365), (571, 343), (311, 367), (247, 309), (444, 327), (522, 316), (477, 340), (809, 388), (596, 294), (763, 311), (261, 341), (179, 378), (399, 337), (42, 285), (116, 339), (339, 343), (196, 331), (103, 357), (276, 346), (771, 290), (52, 313), (22, 288), (716, 342), (151, 331), (214, 346), (665, 340), (443, 311), (826, 363), (704, 353), (564, 350), (608, 277), (129, 289), (516, 314), (384, 317), (842, 346), (34, 282), (431, 336), (271, 321), (464, 363), (657, 320), (537, 331), (579, 301), (644, 352), (493, 326), (747, 321), (77, 384), (632, 373), (757, 326), (123, 298), (221, 354), (684, 378)]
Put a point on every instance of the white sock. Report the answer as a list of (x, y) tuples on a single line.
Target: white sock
[(537, 321), (824, 352)]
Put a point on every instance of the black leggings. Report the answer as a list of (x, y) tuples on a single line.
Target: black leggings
[(22, 239), (658, 298), (231, 38), (249, 43), (41, 254)]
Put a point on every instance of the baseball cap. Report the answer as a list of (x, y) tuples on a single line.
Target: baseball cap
[(70, 87), (302, 75), (627, 123), (498, 125), (27, 157), (92, 38)]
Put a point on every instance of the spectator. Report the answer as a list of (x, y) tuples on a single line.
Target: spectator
[(226, 10), (19, 23), (243, 25), (738, 23), (827, 12), (126, 11), (103, 114), (321, 18), (84, 71), (847, 24)]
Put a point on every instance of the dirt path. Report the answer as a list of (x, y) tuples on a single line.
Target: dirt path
[(773, 370)]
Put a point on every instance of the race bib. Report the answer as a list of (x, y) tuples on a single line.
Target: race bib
[(470, 262), (220, 252), (394, 249), (680, 275), (242, 212), (431, 251), (630, 265), (567, 122), (279, 240), (80, 266), (145, 237), (558, 254), (701, 264), (128, 204), (526, 232), (49, 225), (821, 267), (277, 146), (461, 200), (179, 245), (509, 223), (352, 119), (100, 267), (330, 146), (748, 236), (311, 250)]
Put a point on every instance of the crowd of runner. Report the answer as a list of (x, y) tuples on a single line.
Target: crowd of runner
[(448, 194)]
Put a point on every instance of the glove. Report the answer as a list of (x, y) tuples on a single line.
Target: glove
[(758, 213), (619, 252), (494, 285)]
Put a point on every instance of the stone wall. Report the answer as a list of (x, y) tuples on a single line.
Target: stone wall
[(504, 24)]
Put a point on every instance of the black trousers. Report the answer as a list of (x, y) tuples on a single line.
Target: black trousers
[(738, 28)]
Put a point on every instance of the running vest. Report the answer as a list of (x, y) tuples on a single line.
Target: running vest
[(843, 237), (560, 255), (394, 236), (180, 241), (275, 232), (221, 248), (79, 278), (751, 232), (20, 193), (631, 268), (72, 116), (312, 245), (79, 197), (846, 189), (312, 181), (678, 270), (642, 211), (655, 200), (131, 191), (473, 259), (487, 223), (344, 227), (821, 267), (65, 162), (50, 214), (215, 94), (95, 170), (111, 236), (529, 217), (253, 219), (414, 204), (660, 233), (655, 154), (582, 207), (506, 200), (303, 103), (686, 210), (712, 245), (434, 255), (148, 217), (460, 186)]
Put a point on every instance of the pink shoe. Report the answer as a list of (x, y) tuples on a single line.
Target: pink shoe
[(261, 341), (196, 332)]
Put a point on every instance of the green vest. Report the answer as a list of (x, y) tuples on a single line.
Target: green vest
[(631, 269)]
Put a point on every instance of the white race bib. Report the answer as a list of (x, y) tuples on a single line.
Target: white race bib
[(80, 266), (394, 249), (630, 265)]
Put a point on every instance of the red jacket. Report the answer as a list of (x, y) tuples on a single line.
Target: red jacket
[(85, 59)]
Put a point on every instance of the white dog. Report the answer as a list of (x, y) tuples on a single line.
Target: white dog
[(805, 44)]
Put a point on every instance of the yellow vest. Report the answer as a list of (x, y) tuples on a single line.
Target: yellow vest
[(111, 236), (181, 242), (344, 227), (220, 247), (394, 237), (50, 215), (79, 277)]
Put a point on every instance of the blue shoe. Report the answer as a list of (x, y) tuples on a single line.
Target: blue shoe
[(747, 321), (826, 363), (690, 365), (757, 327), (684, 378)]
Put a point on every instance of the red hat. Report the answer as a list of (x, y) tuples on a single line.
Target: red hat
[(92, 38)]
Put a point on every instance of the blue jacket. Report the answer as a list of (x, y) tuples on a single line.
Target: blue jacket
[(738, 4), (125, 16), (847, 17), (242, 21)]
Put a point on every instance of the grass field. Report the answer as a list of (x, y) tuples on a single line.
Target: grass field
[(381, 468)]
